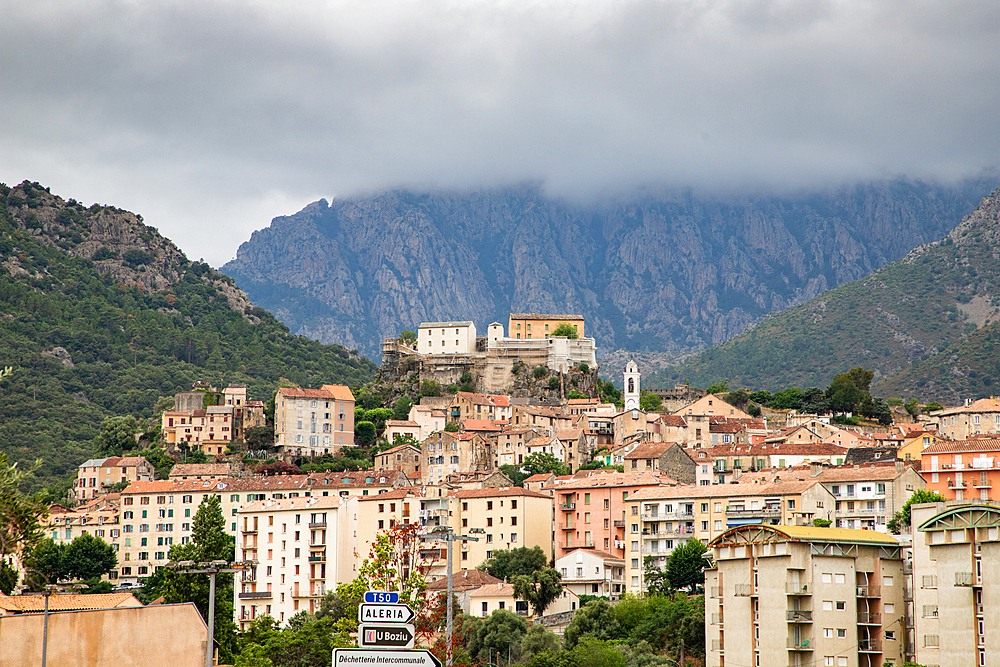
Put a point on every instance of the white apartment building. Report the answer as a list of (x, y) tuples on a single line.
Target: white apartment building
[(301, 545), (446, 338)]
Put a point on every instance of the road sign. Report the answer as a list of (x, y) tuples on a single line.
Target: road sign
[(381, 597), (384, 613), (353, 657), (386, 636)]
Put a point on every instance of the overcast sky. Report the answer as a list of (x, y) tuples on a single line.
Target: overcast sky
[(211, 117)]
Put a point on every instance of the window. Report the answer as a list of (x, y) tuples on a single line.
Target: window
[(841, 605), (841, 633), (828, 633)]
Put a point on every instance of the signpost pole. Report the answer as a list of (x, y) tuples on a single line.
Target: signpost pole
[(448, 650)]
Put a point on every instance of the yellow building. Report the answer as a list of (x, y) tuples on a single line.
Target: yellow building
[(525, 326)]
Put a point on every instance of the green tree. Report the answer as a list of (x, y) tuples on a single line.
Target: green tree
[(738, 398), (509, 563), (117, 435), (259, 437), (718, 388), (452, 427), (849, 390), (516, 475), (430, 388), (20, 515), (496, 633), (539, 589), (655, 577), (401, 411), (89, 557), (649, 401), (209, 542), (594, 619), (538, 639), (565, 329), (593, 652), (901, 519), (686, 567), (365, 433), (45, 563), (544, 462), (8, 576)]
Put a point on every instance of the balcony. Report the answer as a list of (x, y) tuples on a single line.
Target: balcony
[(743, 590), (799, 616), (257, 595), (248, 531), (568, 506), (619, 523), (717, 645), (715, 592), (799, 644), (800, 588), (319, 557), (652, 516), (870, 645), (981, 484), (717, 619), (317, 524), (871, 591), (869, 618), (965, 579), (318, 542), (767, 510)]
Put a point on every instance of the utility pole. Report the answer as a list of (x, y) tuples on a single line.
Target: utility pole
[(446, 534), (211, 568)]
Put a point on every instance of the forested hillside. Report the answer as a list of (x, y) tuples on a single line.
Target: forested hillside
[(100, 315), (934, 309)]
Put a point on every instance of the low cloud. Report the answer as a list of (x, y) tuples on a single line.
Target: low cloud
[(211, 117)]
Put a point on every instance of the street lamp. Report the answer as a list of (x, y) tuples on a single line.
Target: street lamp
[(448, 535), (49, 590), (211, 568)]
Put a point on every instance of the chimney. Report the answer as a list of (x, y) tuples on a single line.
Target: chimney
[(900, 466), (815, 469)]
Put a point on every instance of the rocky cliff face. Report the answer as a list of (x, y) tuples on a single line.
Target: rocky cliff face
[(117, 242), (665, 272)]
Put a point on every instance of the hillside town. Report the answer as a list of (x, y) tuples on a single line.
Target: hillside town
[(800, 515)]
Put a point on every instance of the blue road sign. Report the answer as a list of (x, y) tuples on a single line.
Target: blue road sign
[(381, 597)]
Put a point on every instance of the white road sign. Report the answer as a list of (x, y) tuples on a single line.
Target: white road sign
[(358, 657), (384, 613)]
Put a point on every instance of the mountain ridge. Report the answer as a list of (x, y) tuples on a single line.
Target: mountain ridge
[(915, 322), (660, 272)]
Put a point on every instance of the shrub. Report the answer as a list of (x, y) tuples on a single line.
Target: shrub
[(540, 372), (553, 382)]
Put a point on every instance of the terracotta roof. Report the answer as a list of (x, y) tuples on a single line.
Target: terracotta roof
[(479, 425), (598, 478), (540, 477), (536, 316), (211, 469), (301, 503), (398, 448), (395, 494), (569, 433), (67, 602), (484, 399), (401, 422), (130, 461), (673, 420), (306, 393), (339, 391), (991, 404), (597, 552), (464, 580), (972, 445), (649, 450), (493, 591)]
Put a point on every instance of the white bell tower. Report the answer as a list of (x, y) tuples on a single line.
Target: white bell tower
[(631, 386)]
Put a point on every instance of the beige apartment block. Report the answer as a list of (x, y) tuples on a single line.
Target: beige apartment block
[(663, 518), (303, 549), (956, 593), (211, 429), (99, 518), (508, 518), (312, 422), (795, 595), (980, 417)]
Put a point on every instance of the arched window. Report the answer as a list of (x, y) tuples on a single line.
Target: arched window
[(631, 385)]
